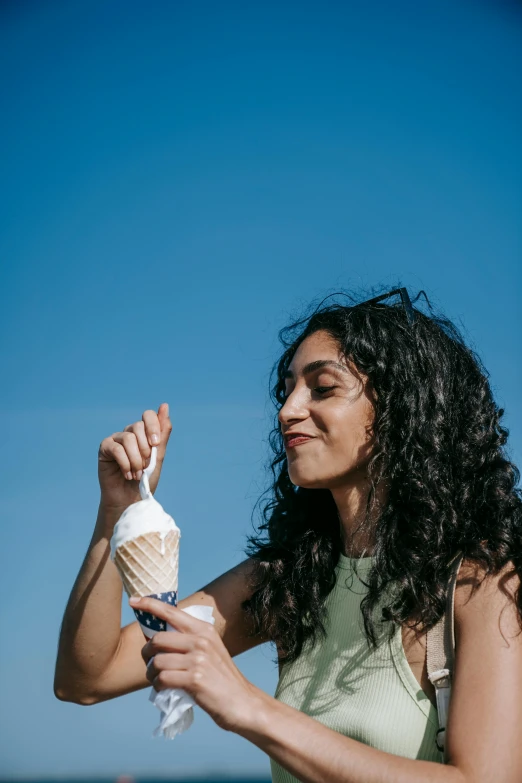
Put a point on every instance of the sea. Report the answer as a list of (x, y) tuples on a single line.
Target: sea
[(130, 779)]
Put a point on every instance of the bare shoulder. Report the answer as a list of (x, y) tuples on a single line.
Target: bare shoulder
[(486, 699), (487, 617), (225, 594), (478, 594)]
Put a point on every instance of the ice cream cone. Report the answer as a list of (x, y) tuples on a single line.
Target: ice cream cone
[(145, 550), (149, 564)]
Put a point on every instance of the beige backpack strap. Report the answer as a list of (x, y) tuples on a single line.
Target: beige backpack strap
[(440, 651)]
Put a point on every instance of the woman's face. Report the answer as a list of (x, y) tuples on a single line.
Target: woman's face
[(330, 404)]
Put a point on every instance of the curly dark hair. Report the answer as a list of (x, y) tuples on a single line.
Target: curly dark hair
[(439, 446)]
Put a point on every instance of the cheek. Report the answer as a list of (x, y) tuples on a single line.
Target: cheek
[(350, 426)]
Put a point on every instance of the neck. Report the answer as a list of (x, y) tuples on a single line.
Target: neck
[(357, 532)]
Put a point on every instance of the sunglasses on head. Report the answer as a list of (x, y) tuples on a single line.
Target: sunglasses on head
[(405, 299)]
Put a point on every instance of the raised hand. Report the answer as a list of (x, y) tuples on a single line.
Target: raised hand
[(123, 456)]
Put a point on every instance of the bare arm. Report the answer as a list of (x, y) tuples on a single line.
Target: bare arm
[(90, 635), (96, 659), (483, 722)]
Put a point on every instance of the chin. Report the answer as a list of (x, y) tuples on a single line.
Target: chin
[(332, 481), (309, 482)]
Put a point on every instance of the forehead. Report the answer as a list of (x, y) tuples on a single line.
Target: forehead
[(317, 346)]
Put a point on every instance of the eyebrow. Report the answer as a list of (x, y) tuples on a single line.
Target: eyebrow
[(312, 366)]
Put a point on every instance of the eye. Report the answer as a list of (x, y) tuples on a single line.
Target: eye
[(317, 389), (323, 389)]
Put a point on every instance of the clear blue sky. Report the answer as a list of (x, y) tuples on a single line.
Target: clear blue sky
[(177, 180)]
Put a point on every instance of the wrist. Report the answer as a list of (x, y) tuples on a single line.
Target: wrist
[(107, 518), (255, 715)]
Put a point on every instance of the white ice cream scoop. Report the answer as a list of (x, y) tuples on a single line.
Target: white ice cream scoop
[(145, 516)]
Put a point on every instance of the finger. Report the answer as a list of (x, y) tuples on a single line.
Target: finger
[(138, 428), (111, 451), (179, 619), (166, 662), (167, 642), (152, 427), (174, 679), (130, 444)]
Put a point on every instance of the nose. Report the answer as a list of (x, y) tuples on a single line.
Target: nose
[(294, 409)]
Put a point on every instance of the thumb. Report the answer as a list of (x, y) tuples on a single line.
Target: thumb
[(165, 423)]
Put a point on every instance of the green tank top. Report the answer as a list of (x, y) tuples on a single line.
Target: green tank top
[(369, 695)]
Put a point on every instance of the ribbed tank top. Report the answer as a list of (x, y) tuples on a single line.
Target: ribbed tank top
[(369, 695)]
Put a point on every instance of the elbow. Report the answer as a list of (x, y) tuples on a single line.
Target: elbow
[(73, 695)]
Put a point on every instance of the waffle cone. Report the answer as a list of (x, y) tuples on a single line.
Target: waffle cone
[(148, 564)]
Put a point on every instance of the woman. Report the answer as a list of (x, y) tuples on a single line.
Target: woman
[(389, 460)]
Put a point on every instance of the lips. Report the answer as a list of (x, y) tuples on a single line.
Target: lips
[(296, 440)]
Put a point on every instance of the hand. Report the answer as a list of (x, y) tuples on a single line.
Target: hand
[(197, 661), (123, 456)]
